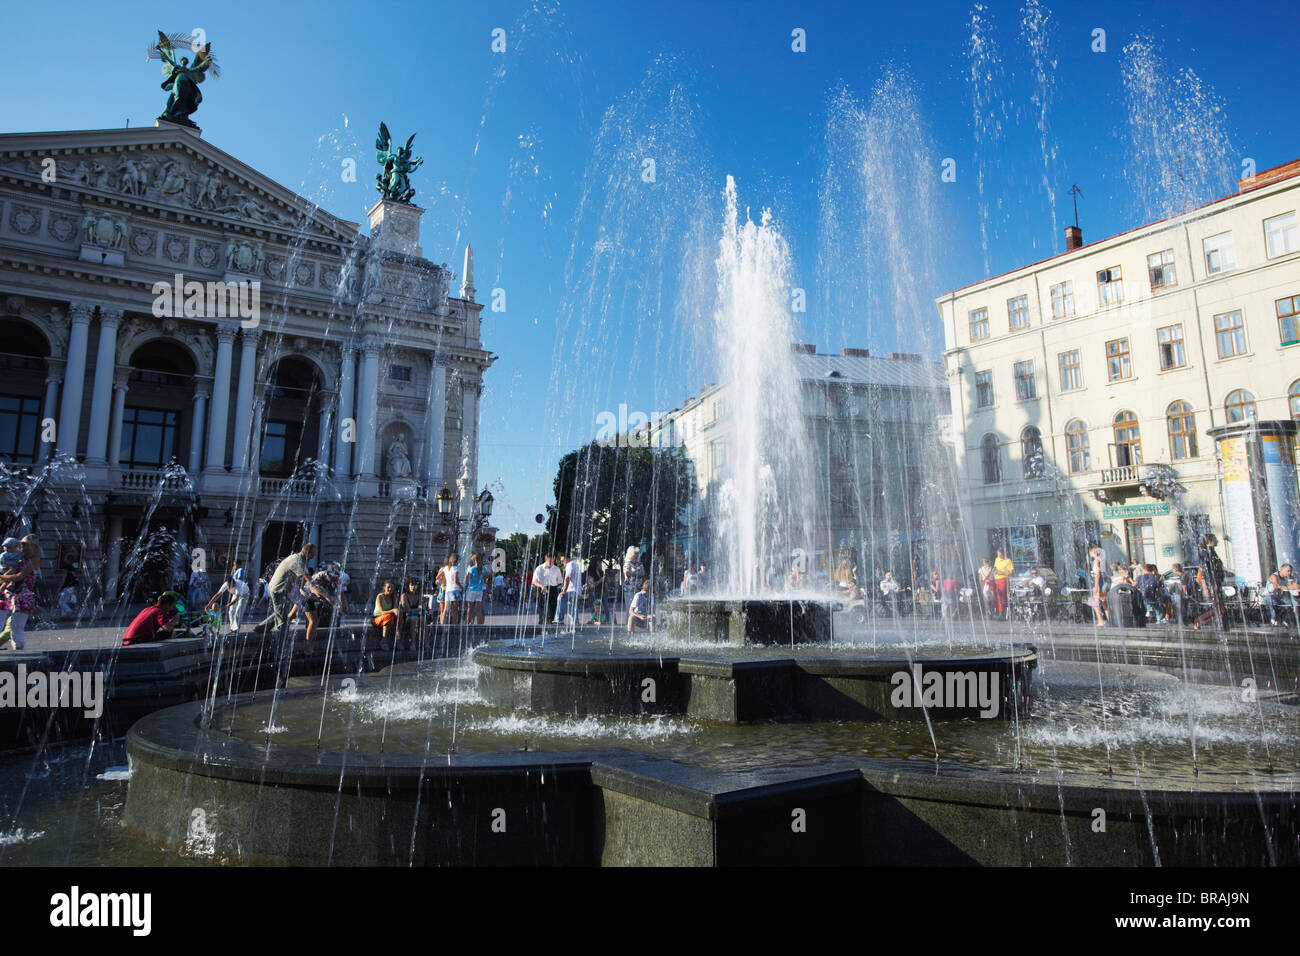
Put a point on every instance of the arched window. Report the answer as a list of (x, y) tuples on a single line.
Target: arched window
[(1182, 430), (1076, 446), (991, 459), (23, 359), (1293, 396), (1240, 406), (1031, 452), (159, 387), (291, 425), (1128, 444)]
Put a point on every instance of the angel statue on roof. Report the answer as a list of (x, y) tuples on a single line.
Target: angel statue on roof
[(396, 165), (182, 79)]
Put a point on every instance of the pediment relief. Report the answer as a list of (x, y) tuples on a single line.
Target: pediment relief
[(183, 179)]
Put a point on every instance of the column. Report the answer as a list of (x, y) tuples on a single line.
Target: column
[(114, 561), (342, 448), (220, 400), (469, 430), (119, 412), (102, 396), (53, 379), (244, 400), (436, 431), (74, 379), (196, 430), (368, 402), (326, 399)]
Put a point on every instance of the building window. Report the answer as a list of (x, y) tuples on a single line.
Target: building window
[(1110, 286), (1239, 406), (20, 421), (148, 437), (1230, 334), (991, 460), (1024, 373), (1182, 430), (399, 373), (718, 454), (1281, 234), (983, 389), (1032, 460), (279, 448), (1288, 319), (1018, 312), (1076, 446), (1118, 366), (1219, 254), (979, 324), (1063, 300), (1071, 375), (1128, 443), (1160, 269), (1170, 342), (1140, 538), (1293, 398)]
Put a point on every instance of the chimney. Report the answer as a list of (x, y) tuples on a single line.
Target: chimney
[(905, 356), (801, 347), (856, 353), (1073, 238)]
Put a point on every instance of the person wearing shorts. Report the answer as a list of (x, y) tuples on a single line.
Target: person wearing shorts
[(475, 582), (449, 592)]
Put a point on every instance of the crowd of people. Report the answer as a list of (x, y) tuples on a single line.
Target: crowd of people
[(295, 590), (559, 584)]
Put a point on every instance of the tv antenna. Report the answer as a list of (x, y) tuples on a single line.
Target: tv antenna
[(1076, 192)]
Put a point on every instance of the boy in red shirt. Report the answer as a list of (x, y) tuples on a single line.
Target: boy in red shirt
[(154, 623)]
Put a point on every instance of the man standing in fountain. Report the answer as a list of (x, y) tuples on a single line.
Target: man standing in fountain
[(290, 574)]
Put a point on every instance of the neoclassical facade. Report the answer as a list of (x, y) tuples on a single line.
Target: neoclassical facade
[(196, 361)]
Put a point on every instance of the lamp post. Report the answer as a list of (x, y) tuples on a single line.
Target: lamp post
[(449, 513)]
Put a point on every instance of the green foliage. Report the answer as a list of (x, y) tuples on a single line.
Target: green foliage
[(610, 496)]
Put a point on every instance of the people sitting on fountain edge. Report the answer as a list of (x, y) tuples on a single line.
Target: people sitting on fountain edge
[(156, 622), (639, 614), (1284, 596)]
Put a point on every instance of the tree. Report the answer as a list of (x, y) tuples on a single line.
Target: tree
[(609, 497)]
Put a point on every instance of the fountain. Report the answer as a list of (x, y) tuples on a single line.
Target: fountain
[(754, 726)]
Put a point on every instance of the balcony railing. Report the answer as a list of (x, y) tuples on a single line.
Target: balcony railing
[(287, 487), (148, 480), (1123, 475)]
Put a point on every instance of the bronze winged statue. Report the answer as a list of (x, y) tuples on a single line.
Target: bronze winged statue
[(396, 165), (182, 79)]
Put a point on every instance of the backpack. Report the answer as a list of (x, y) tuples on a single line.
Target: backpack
[(1154, 591)]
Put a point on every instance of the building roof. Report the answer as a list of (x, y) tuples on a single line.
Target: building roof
[(871, 370), (1265, 178)]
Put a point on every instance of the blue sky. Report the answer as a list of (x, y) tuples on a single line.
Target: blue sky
[(509, 147)]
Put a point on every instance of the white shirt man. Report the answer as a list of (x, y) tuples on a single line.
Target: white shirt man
[(889, 586), (572, 588), (547, 578)]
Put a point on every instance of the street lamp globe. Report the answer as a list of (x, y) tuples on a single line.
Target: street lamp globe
[(444, 499)]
